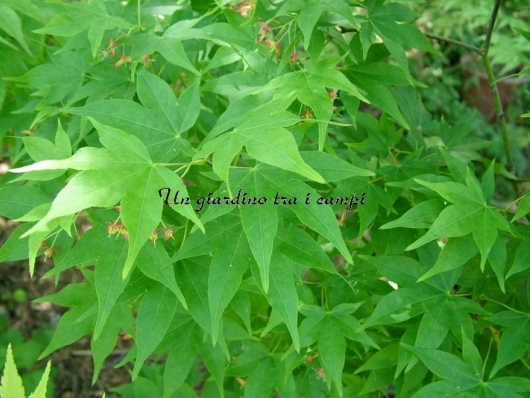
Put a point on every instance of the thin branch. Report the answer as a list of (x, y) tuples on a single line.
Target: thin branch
[(483, 52), (501, 118), (455, 42), (486, 45)]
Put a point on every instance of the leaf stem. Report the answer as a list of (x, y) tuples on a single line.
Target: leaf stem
[(487, 356), (503, 305)]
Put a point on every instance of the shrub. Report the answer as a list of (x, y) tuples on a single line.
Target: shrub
[(255, 193)]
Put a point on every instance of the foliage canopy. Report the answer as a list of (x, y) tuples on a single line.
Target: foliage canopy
[(257, 187)]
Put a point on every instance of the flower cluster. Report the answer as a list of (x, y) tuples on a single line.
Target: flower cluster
[(245, 8), (50, 251), (110, 51), (168, 233), (117, 228)]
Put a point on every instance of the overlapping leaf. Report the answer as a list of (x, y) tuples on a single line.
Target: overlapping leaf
[(135, 181)]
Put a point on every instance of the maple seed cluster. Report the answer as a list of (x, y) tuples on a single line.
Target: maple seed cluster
[(245, 8), (110, 51), (272, 44), (117, 227), (168, 233), (50, 251)]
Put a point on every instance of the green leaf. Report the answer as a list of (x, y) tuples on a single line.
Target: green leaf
[(434, 326), (454, 192), (92, 17), (261, 381), (11, 383), (85, 250), (332, 351), (318, 217), (386, 357), (447, 366), (216, 231), (420, 216), (192, 277), (175, 183), (109, 283), (310, 89), (106, 342), (514, 340), (283, 297), (150, 260), (215, 363), (299, 247), (497, 259), (154, 317), (472, 356), (181, 357), (69, 329), (40, 390), (277, 147), (453, 221), (15, 201), (226, 271), (260, 222), (14, 248), (311, 10), (333, 168), (141, 210), (508, 385), (11, 24), (523, 208), (456, 252), (521, 260), (400, 305)]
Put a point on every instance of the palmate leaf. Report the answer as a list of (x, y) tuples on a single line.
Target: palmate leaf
[(309, 87), (135, 181), (224, 277), (108, 281), (420, 216), (514, 340), (181, 357), (310, 11), (448, 366), (93, 17), (283, 297), (275, 146), (151, 260), (331, 329), (162, 116), (401, 305), (154, 317), (106, 342), (316, 216), (11, 383), (260, 222), (385, 20)]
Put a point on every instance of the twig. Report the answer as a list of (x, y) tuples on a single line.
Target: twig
[(483, 52), (455, 42), (487, 41), (501, 118)]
